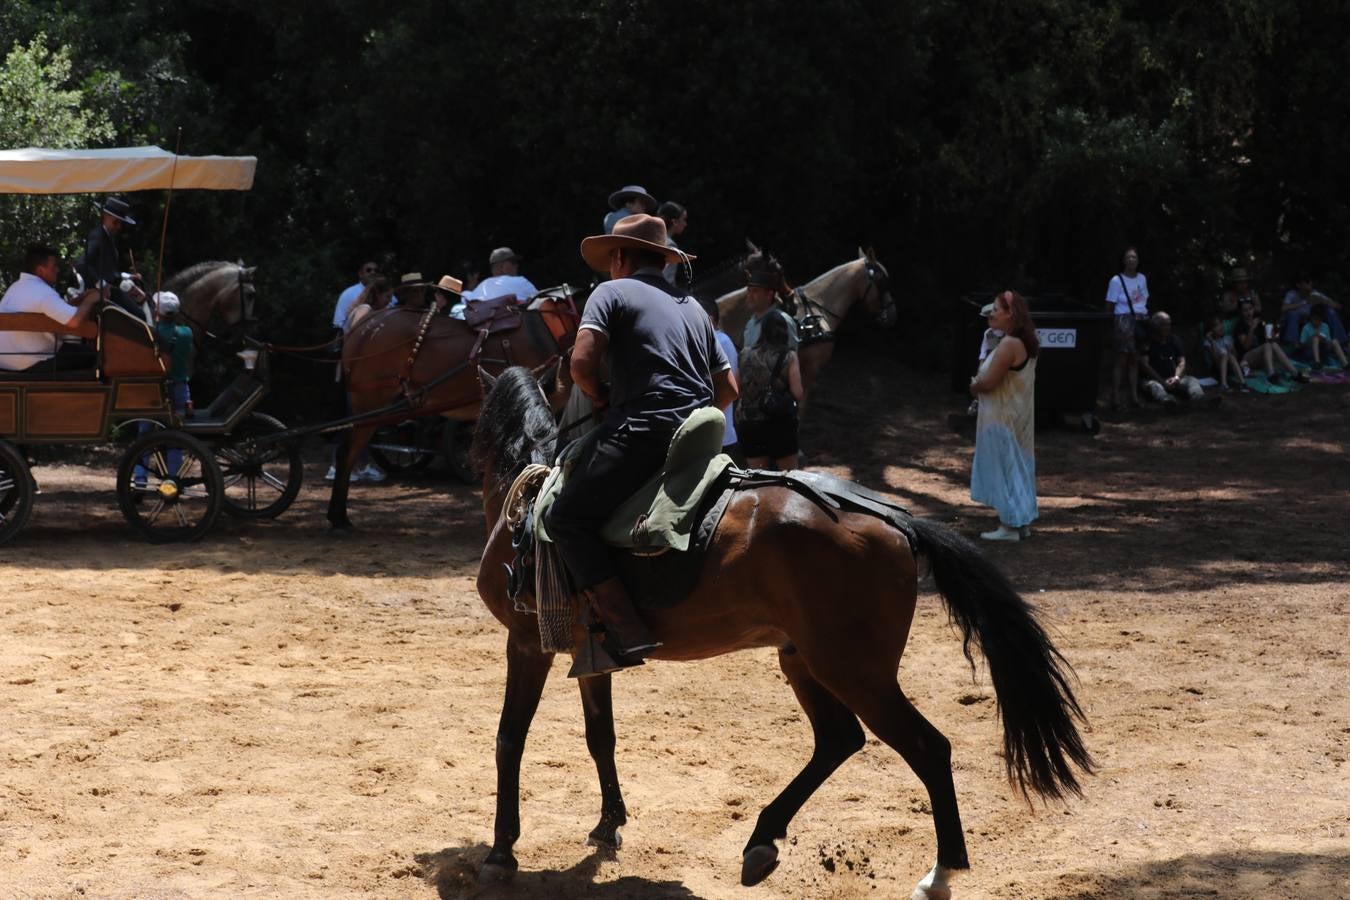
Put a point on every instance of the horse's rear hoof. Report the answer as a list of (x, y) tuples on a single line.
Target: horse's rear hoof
[(758, 863), (605, 840), (495, 873)]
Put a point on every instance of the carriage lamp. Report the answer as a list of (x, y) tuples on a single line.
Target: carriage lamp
[(250, 358)]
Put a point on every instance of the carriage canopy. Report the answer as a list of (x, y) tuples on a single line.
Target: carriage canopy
[(37, 171)]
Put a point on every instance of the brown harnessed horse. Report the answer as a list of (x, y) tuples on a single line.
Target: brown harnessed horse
[(409, 352)]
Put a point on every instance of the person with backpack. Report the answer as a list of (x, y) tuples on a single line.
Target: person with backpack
[(771, 387)]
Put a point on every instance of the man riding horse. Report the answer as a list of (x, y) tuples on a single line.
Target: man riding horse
[(665, 363)]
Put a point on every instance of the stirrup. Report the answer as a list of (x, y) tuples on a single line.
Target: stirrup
[(594, 657)]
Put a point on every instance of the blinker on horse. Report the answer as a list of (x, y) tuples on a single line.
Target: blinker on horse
[(773, 576)]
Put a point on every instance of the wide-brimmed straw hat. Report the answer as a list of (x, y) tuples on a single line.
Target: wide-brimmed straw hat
[(628, 192), (117, 208), (640, 231), (1236, 275), (410, 278), (450, 284)]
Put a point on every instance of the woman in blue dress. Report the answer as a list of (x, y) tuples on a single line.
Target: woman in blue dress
[(1003, 474)]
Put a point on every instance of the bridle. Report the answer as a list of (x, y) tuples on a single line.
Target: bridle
[(879, 280), (246, 303), (818, 322)]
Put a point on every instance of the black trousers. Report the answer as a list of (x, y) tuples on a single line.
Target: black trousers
[(612, 466), (69, 356)]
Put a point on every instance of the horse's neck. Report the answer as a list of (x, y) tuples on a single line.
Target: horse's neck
[(835, 291)]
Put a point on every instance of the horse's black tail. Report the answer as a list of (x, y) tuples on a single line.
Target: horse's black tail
[(1042, 748)]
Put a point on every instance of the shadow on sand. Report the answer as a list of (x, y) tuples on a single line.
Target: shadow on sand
[(453, 872), (1232, 876)]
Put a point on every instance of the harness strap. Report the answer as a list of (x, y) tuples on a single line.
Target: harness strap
[(422, 328)]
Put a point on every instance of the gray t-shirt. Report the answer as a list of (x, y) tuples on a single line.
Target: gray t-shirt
[(662, 349)]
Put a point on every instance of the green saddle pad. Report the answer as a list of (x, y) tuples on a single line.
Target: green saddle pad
[(664, 511)]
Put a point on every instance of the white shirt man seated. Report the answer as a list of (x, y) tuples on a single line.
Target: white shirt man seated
[(505, 278), (35, 292)]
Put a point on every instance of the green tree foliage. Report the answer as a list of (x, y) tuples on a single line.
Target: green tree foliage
[(40, 108)]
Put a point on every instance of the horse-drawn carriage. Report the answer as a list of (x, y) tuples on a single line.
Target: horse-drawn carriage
[(177, 477)]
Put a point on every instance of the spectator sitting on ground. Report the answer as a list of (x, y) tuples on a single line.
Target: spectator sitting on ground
[(1254, 341), (628, 200), (1299, 303), (1222, 355), (1163, 368), (1315, 343), (1238, 291), (505, 280)]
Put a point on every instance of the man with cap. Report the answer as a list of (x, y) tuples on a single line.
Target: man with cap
[(504, 280), (629, 200), (763, 281), (665, 363), (100, 266), (35, 292)]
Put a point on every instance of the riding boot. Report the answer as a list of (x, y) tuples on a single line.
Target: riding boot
[(627, 638)]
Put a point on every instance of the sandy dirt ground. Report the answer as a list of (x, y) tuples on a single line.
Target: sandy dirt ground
[(277, 712)]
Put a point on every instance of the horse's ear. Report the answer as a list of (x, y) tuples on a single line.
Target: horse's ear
[(868, 253), (248, 273), (486, 379), (751, 245), (547, 377)]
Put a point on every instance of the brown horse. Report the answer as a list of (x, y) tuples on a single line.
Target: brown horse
[(383, 358), (825, 300), (773, 577)]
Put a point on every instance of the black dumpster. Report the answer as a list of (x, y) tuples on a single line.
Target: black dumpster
[(1072, 335)]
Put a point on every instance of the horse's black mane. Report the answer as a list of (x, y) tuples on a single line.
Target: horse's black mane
[(515, 427), (181, 280)]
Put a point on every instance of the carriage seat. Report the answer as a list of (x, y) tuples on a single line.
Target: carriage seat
[(663, 513)]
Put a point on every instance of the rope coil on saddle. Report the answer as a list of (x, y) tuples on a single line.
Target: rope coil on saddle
[(553, 595), (515, 506)]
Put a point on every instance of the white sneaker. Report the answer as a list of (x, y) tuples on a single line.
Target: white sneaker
[(332, 474), (352, 478), (1002, 533), (373, 474)]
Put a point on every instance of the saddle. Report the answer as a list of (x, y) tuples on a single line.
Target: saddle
[(662, 514), (487, 317)]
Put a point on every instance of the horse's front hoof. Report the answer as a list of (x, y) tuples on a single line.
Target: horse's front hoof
[(340, 529), (758, 863)]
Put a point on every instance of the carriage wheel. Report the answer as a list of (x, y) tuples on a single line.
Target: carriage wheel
[(414, 434), (169, 487), (455, 442), (16, 492), (261, 481)]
